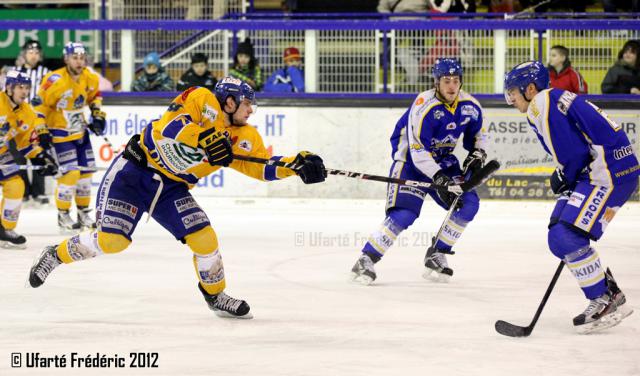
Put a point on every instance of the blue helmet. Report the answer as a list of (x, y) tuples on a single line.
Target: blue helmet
[(72, 48), (447, 67), (235, 88), (523, 74), (15, 77)]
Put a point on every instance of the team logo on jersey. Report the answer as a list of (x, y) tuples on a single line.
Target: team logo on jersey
[(438, 114), (465, 121), (64, 99), (451, 126), (470, 111), (565, 101), (79, 102), (209, 112), (419, 101), (576, 199), (416, 147), (448, 142), (245, 145)]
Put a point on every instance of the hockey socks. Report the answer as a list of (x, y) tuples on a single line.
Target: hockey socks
[(382, 239), (451, 231)]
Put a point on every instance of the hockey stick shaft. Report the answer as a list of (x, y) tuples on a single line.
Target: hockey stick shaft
[(32, 167), (512, 330), (489, 169)]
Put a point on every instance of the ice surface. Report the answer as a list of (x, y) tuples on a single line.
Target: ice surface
[(290, 259)]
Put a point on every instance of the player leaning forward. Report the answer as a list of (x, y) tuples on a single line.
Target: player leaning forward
[(156, 171), (597, 174), (423, 143), (18, 122), (61, 101)]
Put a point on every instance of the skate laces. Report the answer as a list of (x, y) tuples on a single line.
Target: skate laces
[(439, 259), (227, 303), (365, 263), (596, 305), (46, 265)]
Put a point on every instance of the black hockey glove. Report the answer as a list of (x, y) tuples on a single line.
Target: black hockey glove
[(559, 183), (474, 161), (49, 164), (44, 137), (311, 168), (98, 122), (217, 146), (440, 178)]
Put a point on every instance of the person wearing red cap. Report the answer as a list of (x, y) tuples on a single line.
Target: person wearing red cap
[(290, 78)]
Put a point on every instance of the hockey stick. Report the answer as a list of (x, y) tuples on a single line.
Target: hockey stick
[(479, 178), (511, 330), (110, 145), (32, 167)]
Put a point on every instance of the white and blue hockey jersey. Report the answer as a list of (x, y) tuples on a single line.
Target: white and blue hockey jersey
[(429, 130), (582, 139)]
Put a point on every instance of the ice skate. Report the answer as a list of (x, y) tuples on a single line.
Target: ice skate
[(43, 266), (84, 219), (363, 270), (12, 240), (435, 261), (225, 306), (605, 311), (41, 200), (66, 225)]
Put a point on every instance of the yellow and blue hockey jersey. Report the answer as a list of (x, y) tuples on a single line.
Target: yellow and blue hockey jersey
[(61, 103), (171, 143), (18, 123)]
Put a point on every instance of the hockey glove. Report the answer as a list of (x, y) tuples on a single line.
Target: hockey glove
[(217, 146), (559, 183), (44, 137), (440, 178), (311, 168), (98, 122), (49, 166), (474, 161)]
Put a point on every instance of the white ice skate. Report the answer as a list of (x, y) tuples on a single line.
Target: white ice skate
[(435, 261), (363, 270), (66, 225)]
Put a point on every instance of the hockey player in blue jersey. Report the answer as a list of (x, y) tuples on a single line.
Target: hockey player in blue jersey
[(423, 143), (597, 173)]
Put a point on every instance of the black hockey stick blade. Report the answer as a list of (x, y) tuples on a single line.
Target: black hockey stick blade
[(481, 176), (511, 330)]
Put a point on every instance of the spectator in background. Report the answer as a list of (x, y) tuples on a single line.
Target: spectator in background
[(198, 74), (29, 62), (453, 6), (409, 52), (154, 77), (562, 74), (624, 76), (103, 83), (246, 67), (290, 78)]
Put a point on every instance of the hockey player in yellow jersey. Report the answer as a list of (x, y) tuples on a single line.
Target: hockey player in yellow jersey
[(18, 122), (198, 134), (61, 102)]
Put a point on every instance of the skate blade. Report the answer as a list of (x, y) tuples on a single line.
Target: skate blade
[(361, 279), (9, 245), (434, 276), (605, 322), (227, 315)]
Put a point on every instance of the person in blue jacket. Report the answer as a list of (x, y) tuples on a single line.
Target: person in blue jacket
[(290, 78)]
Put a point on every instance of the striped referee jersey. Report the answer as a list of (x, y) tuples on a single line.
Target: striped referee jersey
[(36, 74)]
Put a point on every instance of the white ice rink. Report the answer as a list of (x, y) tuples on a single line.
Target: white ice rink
[(290, 259)]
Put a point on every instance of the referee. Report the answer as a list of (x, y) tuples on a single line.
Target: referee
[(30, 62)]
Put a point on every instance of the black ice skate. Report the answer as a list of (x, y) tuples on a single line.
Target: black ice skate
[(43, 266), (605, 311), (363, 270), (84, 219), (436, 261), (11, 239), (66, 225), (225, 306)]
